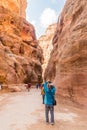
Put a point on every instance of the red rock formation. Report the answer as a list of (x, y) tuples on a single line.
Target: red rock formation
[(45, 41), (68, 63), (16, 6), (20, 55)]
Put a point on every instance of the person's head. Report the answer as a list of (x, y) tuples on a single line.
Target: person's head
[(50, 84)]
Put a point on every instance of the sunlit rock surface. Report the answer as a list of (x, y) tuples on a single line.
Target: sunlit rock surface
[(45, 41), (20, 54), (15, 6), (68, 63)]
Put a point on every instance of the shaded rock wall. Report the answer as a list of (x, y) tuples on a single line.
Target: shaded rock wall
[(20, 54), (68, 63), (45, 41)]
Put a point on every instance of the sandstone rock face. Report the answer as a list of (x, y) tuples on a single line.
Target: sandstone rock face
[(68, 63), (16, 6), (45, 41), (20, 55), (22, 7)]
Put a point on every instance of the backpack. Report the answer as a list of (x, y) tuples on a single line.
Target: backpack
[(42, 91)]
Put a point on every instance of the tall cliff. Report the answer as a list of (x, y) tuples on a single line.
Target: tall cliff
[(45, 41), (68, 63), (20, 54)]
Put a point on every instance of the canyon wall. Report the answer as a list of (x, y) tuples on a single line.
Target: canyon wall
[(67, 66), (15, 6), (45, 41), (20, 54)]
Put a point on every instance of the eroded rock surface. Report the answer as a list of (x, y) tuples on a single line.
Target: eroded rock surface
[(45, 41), (68, 63), (20, 54), (15, 6)]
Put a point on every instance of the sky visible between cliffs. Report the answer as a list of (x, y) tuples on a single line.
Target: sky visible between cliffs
[(42, 13)]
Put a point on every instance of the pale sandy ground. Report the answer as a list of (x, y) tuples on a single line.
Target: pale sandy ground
[(25, 111)]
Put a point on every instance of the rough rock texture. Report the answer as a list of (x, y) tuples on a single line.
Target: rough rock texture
[(68, 63), (22, 7), (16, 6), (20, 55), (45, 41)]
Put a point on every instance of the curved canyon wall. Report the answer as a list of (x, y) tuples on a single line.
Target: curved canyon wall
[(20, 54), (68, 63)]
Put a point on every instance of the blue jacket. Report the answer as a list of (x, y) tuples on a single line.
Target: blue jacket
[(49, 94)]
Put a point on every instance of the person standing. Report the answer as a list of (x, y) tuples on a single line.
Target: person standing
[(49, 90), (37, 86), (28, 86)]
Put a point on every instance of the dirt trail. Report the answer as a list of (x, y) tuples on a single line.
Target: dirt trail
[(25, 111)]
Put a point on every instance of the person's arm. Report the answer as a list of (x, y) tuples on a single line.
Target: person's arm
[(53, 90), (45, 86)]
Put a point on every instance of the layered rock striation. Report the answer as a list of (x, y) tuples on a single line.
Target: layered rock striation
[(68, 63), (20, 54), (45, 41)]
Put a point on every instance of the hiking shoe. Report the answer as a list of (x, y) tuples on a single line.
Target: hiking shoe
[(52, 123)]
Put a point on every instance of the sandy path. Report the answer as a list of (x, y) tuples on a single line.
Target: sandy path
[(25, 111)]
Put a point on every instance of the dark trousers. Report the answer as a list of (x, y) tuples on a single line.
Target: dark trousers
[(49, 108)]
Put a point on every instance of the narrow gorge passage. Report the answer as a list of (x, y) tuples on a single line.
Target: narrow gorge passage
[(31, 53), (25, 111)]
